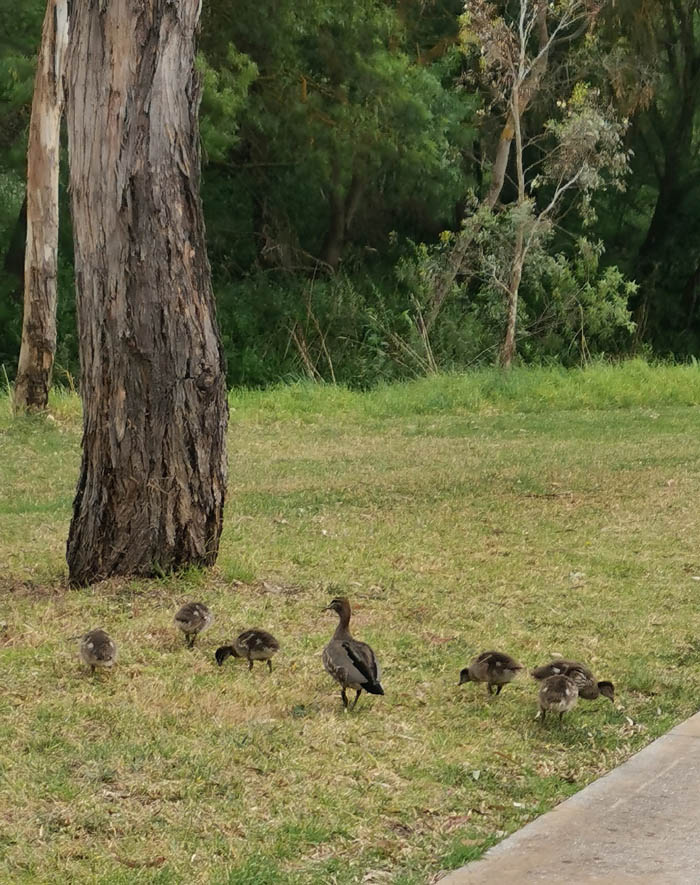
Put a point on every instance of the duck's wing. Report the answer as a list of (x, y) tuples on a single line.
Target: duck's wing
[(269, 640), (559, 667), (185, 615), (582, 676), (558, 688), (497, 662), (99, 646), (351, 662), (106, 650), (364, 658), (194, 616), (257, 640)]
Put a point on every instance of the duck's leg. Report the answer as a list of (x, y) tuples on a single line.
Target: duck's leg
[(344, 697), (190, 639), (543, 713), (92, 669), (561, 715), (489, 688), (498, 690), (250, 664), (357, 697), (269, 665)]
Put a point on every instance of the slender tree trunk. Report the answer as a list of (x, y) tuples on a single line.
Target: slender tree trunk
[(527, 85), (500, 163), (151, 489), (343, 208), (508, 349), (39, 321)]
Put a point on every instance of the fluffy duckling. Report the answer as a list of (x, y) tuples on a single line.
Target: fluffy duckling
[(193, 618), (351, 663), (557, 693), (253, 645), (588, 688), (98, 649), (492, 667)]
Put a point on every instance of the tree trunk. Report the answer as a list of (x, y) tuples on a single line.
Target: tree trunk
[(343, 208), (40, 259), (507, 353), (151, 489), (508, 347), (527, 86)]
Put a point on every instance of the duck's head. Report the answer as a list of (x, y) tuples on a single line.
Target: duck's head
[(464, 676), (607, 689), (340, 605), (222, 653)]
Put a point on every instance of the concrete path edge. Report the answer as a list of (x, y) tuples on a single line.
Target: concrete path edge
[(640, 823)]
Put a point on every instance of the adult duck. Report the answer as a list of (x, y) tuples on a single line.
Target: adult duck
[(350, 662)]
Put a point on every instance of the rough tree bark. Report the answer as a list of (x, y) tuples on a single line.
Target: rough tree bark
[(38, 346), (151, 489)]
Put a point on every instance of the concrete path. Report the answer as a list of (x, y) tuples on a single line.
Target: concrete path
[(638, 824)]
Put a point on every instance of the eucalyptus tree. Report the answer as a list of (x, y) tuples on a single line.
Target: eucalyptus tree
[(525, 55), (152, 481), (38, 346)]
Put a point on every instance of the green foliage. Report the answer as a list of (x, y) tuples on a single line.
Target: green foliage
[(224, 94), (649, 66), (11, 196), (341, 145), (574, 308), (332, 329), (20, 30), (571, 307)]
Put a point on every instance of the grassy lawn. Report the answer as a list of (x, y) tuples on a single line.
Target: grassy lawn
[(545, 512)]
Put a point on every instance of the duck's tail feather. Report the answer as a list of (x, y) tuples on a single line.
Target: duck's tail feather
[(373, 687)]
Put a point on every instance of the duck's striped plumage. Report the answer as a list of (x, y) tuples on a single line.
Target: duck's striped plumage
[(353, 664), (98, 649), (492, 667), (588, 688), (253, 645), (557, 694), (193, 618)]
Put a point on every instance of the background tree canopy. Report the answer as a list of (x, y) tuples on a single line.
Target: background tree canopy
[(346, 149)]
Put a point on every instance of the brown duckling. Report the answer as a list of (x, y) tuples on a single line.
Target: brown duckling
[(557, 694), (351, 663), (98, 649), (588, 688), (253, 645), (193, 618), (492, 667)]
